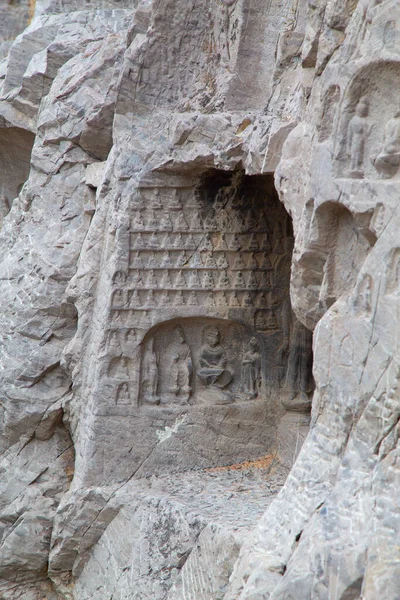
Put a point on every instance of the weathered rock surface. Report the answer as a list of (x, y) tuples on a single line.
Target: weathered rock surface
[(193, 194)]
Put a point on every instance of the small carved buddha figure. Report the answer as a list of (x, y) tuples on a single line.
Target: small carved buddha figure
[(195, 223), (180, 222), (223, 281), (358, 132), (180, 366), (388, 160), (239, 282), (208, 280), (166, 260), (150, 375), (123, 396), (239, 265), (194, 281), (192, 301), (213, 361), (251, 370), (297, 344), (222, 263), (222, 245), (253, 243)]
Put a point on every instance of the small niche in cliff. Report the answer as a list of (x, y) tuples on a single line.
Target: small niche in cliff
[(336, 246), (15, 155)]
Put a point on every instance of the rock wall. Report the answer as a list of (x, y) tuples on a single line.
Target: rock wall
[(198, 248)]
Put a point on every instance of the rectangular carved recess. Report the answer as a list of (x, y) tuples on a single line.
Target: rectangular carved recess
[(200, 290)]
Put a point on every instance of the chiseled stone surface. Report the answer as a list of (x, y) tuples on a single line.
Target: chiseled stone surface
[(199, 285)]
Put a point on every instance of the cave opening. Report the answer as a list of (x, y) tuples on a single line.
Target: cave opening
[(259, 245)]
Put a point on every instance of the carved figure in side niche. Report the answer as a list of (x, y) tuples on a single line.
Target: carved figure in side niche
[(214, 369), (358, 132), (179, 365), (297, 343), (150, 375), (120, 278), (363, 301), (251, 370), (388, 160), (123, 396)]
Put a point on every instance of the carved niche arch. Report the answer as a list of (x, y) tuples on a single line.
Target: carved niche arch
[(362, 135)]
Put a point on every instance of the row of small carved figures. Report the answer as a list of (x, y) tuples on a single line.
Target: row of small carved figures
[(230, 223), (176, 241), (164, 298), (253, 281), (200, 260), (120, 337)]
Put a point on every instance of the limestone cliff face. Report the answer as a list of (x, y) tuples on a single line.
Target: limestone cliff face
[(192, 194)]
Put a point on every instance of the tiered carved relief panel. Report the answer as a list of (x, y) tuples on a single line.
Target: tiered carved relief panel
[(182, 254)]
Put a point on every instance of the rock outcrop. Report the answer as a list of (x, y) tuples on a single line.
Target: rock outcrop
[(199, 281)]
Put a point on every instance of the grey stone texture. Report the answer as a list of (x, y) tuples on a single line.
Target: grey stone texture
[(199, 285)]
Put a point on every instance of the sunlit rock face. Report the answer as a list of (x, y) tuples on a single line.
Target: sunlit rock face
[(199, 283)]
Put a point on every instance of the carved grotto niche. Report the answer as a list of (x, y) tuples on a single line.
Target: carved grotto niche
[(200, 333), (368, 138), (203, 361)]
